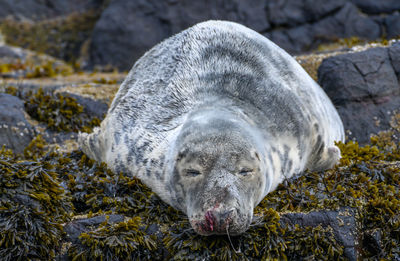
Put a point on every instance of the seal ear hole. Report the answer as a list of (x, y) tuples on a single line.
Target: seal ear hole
[(192, 173)]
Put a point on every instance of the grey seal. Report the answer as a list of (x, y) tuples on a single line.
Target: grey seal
[(214, 118)]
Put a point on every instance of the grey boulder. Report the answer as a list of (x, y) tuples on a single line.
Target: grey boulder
[(364, 87), (15, 131)]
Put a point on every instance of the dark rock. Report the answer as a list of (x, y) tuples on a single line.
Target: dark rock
[(39, 9), (392, 24), (342, 22), (186, 13), (295, 40), (74, 228), (364, 87), (342, 222), (394, 56), (346, 22), (377, 7), (126, 29), (27, 201), (364, 74), (291, 13), (15, 131), (372, 241)]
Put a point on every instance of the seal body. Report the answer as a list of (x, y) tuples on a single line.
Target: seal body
[(214, 118)]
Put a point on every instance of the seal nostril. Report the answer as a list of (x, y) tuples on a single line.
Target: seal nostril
[(229, 213)]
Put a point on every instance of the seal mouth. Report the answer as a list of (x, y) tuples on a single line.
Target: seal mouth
[(217, 222)]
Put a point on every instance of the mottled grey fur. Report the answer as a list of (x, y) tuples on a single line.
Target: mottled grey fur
[(214, 118)]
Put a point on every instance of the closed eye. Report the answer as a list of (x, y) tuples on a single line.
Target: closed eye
[(192, 172), (245, 172)]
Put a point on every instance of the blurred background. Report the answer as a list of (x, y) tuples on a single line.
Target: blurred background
[(115, 33)]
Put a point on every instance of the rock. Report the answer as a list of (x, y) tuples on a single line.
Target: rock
[(372, 241), (294, 40), (126, 29), (346, 22), (377, 7), (2, 42), (342, 22), (364, 87), (342, 222), (15, 131), (74, 228), (392, 24), (9, 52), (12, 60), (38, 9), (291, 13), (91, 107)]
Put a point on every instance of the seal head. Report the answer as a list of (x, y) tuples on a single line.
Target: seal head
[(218, 173)]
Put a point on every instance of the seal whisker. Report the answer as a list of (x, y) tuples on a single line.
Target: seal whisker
[(229, 237)]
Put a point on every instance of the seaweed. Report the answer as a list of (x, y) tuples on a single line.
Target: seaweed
[(49, 69), (59, 112), (367, 180), (36, 148), (103, 80), (122, 241), (7, 67), (267, 240), (33, 206)]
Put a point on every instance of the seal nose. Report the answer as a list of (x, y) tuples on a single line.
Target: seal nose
[(217, 220)]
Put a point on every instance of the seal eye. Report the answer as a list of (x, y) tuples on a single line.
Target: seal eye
[(245, 172), (192, 172)]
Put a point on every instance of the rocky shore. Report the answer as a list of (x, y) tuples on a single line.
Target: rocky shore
[(56, 204)]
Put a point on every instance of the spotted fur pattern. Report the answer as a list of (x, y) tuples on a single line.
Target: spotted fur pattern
[(216, 66)]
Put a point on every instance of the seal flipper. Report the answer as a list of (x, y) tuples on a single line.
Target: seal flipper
[(329, 157), (90, 144)]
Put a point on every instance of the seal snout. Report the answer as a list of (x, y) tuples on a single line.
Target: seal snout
[(216, 221)]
